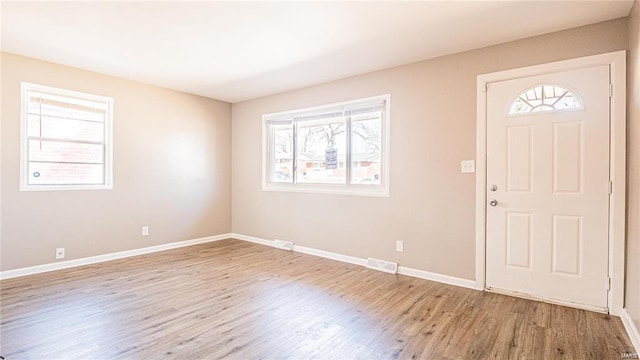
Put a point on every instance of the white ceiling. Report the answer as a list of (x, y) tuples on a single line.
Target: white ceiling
[(236, 51)]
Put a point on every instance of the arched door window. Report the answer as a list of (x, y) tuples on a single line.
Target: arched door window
[(545, 98)]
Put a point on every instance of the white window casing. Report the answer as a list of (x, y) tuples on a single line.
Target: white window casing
[(65, 140), (340, 148)]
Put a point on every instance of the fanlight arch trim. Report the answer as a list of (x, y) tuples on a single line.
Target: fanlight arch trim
[(545, 98)]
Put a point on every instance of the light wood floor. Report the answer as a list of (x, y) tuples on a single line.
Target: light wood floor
[(237, 300)]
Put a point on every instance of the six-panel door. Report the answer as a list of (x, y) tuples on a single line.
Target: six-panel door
[(548, 157)]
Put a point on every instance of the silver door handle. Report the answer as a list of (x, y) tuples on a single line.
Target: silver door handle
[(493, 202)]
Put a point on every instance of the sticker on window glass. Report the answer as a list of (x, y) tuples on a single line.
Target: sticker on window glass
[(331, 158)]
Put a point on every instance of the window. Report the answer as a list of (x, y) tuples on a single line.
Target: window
[(66, 139), (545, 98), (338, 148)]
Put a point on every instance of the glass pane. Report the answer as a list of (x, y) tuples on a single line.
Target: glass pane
[(65, 152), (33, 125), (282, 152), (519, 106), (71, 129), (65, 174), (568, 101), (321, 151), (366, 145)]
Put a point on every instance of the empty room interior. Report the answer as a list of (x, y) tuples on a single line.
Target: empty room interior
[(320, 180)]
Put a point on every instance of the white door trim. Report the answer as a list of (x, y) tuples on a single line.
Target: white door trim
[(617, 171)]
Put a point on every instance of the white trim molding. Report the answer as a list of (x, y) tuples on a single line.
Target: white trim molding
[(632, 330), (305, 250), (617, 213), (330, 255), (8, 274), (445, 279), (402, 270), (253, 239)]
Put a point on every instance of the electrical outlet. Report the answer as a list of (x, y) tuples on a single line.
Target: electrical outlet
[(145, 231), (399, 246), (59, 253), (467, 166)]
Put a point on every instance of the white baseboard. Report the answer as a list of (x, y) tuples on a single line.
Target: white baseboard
[(252, 239), (446, 279), (330, 255), (8, 274), (301, 249), (451, 280), (632, 330), (305, 250)]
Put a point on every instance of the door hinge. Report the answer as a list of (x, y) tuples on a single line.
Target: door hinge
[(610, 187), (610, 90), (608, 283)]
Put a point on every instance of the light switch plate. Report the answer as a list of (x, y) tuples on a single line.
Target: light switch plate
[(468, 166), (145, 231)]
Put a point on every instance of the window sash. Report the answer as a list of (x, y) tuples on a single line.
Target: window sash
[(319, 122), (272, 152)]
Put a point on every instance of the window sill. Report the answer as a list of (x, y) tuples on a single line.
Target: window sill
[(64, 187), (377, 191)]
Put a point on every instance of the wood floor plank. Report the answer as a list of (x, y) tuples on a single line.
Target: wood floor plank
[(236, 300)]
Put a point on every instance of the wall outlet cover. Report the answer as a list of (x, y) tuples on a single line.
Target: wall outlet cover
[(468, 166)]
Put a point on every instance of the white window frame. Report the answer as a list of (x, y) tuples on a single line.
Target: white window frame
[(25, 87), (379, 190)]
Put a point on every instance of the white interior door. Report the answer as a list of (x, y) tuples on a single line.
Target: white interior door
[(548, 179)]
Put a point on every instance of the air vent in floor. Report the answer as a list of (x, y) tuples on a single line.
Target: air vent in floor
[(284, 245), (382, 265)]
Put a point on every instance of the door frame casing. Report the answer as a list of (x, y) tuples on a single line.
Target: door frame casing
[(617, 162)]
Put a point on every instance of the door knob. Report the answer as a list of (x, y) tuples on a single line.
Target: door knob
[(493, 202)]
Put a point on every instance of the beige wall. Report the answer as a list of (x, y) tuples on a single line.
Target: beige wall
[(171, 171), (172, 164), (433, 121), (632, 300)]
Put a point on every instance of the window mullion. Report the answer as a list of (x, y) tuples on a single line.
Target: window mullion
[(104, 150), (271, 139), (347, 159), (39, 123), (294, 148)]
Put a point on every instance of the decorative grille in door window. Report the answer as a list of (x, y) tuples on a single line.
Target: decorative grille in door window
[(545, 98)]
